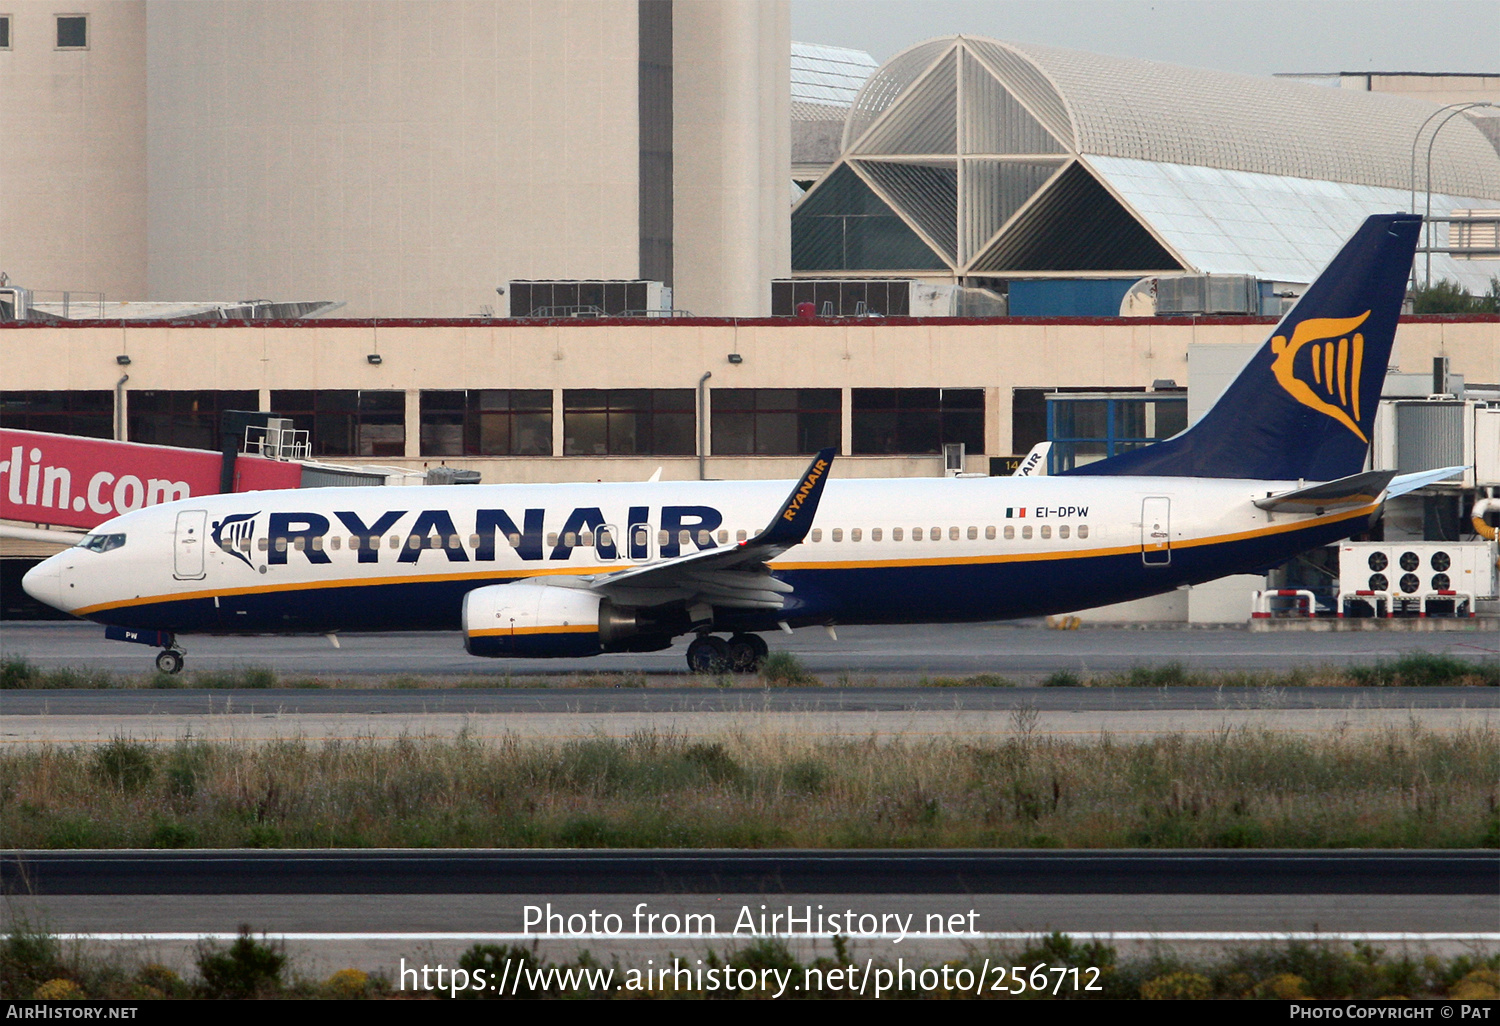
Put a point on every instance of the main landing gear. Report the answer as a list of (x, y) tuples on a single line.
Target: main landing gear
[(742, 653)]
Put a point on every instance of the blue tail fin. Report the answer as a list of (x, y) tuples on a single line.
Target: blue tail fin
[(1303, 407)]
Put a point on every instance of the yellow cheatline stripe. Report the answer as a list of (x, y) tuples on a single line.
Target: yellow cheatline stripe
[(580, 628), (506, 576)]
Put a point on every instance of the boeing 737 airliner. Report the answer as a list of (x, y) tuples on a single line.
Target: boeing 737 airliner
[(1273, 469)]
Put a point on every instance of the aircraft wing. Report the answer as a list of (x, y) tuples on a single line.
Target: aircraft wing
[(734, 577)]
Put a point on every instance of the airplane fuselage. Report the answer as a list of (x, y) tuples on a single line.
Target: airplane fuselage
[(881, 551)]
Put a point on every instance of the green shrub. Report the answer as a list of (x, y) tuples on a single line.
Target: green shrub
[(247, 968), (124, 763), (787, 670)]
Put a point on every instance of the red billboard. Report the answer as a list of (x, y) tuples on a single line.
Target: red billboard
[(82, 482)]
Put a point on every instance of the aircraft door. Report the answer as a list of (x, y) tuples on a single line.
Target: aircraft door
[(1156, 530), (638, 543), (187, 564)]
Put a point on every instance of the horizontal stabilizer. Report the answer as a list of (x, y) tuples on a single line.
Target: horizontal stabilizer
[(1345, 493), (1411, 482)]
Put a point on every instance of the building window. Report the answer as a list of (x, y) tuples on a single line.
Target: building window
[(72, 31), (628, 422), (774, 421), (4, 32), (1088, 427), (189, 419), (346, 421), (917, 421), (90, 414), (487, 422)]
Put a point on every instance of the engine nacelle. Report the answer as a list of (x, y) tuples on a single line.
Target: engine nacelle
[(540, 621)]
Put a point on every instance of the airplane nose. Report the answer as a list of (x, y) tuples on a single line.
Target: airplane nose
[(43, 582)]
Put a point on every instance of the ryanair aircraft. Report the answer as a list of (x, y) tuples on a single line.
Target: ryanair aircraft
[(1273, 469)]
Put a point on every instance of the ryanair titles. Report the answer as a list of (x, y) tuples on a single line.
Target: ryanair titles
[(380, 538)]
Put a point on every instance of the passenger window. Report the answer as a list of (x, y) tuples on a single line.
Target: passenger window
[(586, 539), (299, 543), (570, 539), (704, 539), (663, 537), (973, 534), (551, 539), (280, 544), (395, 541), (916, 534), (1046, 530), (455, 542), (244, 545), (740, 536), (684, 537), (605, 538), (317, 543), (838, 534), (1063, 531), (723, 537), (953, 533), (937, 534), (817, 534), (514, 540), (896, 534), (1010, 532), (1026, 531), (989, 533), (875, 534), (1083, 530), (334, 542), (413, 542), (473, 541), (263, 545), (854, 534)]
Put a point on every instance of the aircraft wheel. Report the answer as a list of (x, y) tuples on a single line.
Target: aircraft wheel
[(708, 654), (169, 661), (747, 652)]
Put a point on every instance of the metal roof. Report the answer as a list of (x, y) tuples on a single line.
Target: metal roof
[(1004, 158), (828, 75), (1147, 110)]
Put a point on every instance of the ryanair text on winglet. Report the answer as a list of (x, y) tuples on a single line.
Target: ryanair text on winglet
[(808, 484)]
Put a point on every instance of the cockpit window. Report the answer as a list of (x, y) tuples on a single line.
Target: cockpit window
[(101, 542)]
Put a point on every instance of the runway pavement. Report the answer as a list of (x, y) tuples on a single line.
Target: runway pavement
[(861, 655)]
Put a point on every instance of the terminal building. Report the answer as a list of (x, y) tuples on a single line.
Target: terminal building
[(1001, 243)]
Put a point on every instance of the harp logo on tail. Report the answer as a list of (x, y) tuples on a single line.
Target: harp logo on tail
[(1327, 380)]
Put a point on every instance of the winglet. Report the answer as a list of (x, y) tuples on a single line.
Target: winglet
[(794, 519)]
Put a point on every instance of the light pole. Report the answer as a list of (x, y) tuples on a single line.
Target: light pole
[(1452, 110)]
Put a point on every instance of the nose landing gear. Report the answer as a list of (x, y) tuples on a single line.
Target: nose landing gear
[(742, 653)]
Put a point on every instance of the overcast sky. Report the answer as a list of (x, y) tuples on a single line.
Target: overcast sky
[(1257, 37)]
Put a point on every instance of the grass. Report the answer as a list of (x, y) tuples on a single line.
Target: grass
[(1236, 788), (35, 965), (784, 669)]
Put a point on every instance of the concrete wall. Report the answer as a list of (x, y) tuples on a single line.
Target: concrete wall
[(731, 98), (406, 158), (73, 151)]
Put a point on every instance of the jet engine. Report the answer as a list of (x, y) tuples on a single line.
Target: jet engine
[(539, 621)]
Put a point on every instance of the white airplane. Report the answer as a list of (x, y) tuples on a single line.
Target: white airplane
[(583, 569)]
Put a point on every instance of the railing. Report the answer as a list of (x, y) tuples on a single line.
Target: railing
[(1260, 601), (87, 304)]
